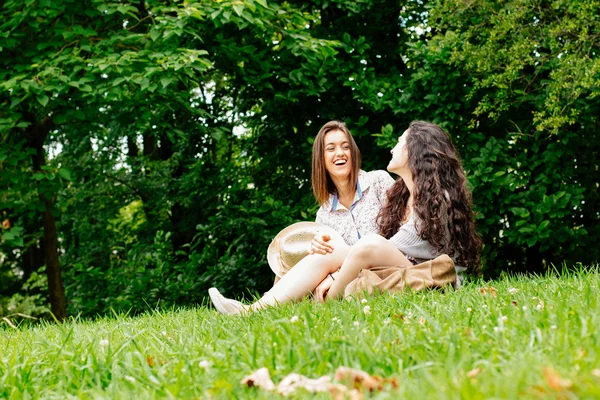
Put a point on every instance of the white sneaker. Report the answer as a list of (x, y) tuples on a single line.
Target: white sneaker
[(225, 305)]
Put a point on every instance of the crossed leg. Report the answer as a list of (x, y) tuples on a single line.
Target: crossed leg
[(304, 277), (370, 251)]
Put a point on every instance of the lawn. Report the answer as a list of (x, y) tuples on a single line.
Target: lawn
[(511, 338)]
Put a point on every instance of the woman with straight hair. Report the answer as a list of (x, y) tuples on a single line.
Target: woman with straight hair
[(350, 200)]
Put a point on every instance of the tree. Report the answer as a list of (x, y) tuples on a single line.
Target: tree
[(49, 86), (169, 142), (146, 73), (533, 73)]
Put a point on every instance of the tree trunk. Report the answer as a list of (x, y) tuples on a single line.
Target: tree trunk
[(58, 301), (33, 256), (149, 145), (132, 149), (36, 134)]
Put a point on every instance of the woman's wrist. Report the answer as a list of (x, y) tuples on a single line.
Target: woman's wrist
[(331, 274)]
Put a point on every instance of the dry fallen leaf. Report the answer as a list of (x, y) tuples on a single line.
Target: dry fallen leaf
[(358, 379), (259, 378), (361, 380), (355, 381), (340, 392), (555, 381), (474, 372), (293, 381)]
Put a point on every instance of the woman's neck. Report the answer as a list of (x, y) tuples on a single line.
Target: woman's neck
[(406, 176), (345, 190)]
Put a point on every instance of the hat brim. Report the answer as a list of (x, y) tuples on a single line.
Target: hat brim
[(274, 250)]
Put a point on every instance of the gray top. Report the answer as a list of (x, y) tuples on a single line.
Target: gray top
[(410, 244)]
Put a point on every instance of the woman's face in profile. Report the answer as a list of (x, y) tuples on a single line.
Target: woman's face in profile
[(337, 155), (399, 159)]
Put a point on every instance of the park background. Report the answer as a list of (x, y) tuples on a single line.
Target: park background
[(150, 150)]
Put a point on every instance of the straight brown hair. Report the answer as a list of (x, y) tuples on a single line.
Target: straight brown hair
[(321, 181)]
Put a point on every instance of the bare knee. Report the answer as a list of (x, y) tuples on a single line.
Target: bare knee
[(367, 246), (323, 263)]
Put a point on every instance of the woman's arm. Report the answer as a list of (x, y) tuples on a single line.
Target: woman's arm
[(306, 275)]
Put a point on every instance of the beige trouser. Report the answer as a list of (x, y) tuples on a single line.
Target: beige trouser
[(435, 273)]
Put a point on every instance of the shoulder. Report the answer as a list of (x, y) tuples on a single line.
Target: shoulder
[(381, 175), (321, 209), (320, 215), (381, 179)]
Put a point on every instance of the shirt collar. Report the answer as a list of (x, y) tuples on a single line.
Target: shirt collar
[(362, 185)]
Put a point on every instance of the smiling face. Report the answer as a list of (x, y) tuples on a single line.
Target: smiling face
[(335, 160), (399, 161), (337, 155)]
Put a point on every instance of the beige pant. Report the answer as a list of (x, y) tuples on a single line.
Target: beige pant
[(435, 273)]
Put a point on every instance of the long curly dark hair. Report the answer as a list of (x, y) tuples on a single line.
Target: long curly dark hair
[(441, 200)]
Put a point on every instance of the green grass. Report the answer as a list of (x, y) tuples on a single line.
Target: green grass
[(427, 341)]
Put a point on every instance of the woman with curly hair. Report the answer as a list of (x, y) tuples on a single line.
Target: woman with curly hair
[(428, 213)]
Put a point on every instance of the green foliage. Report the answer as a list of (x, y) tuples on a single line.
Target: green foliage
[(477, 342), (29, 301), (543, 54), (531, 69)]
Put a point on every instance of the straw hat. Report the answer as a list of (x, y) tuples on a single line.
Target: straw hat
[(291, 245)]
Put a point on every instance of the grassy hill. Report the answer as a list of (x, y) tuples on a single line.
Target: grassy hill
[(511, 338)]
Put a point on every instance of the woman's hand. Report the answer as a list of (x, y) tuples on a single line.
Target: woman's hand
[(320, 244), (321, 290)]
